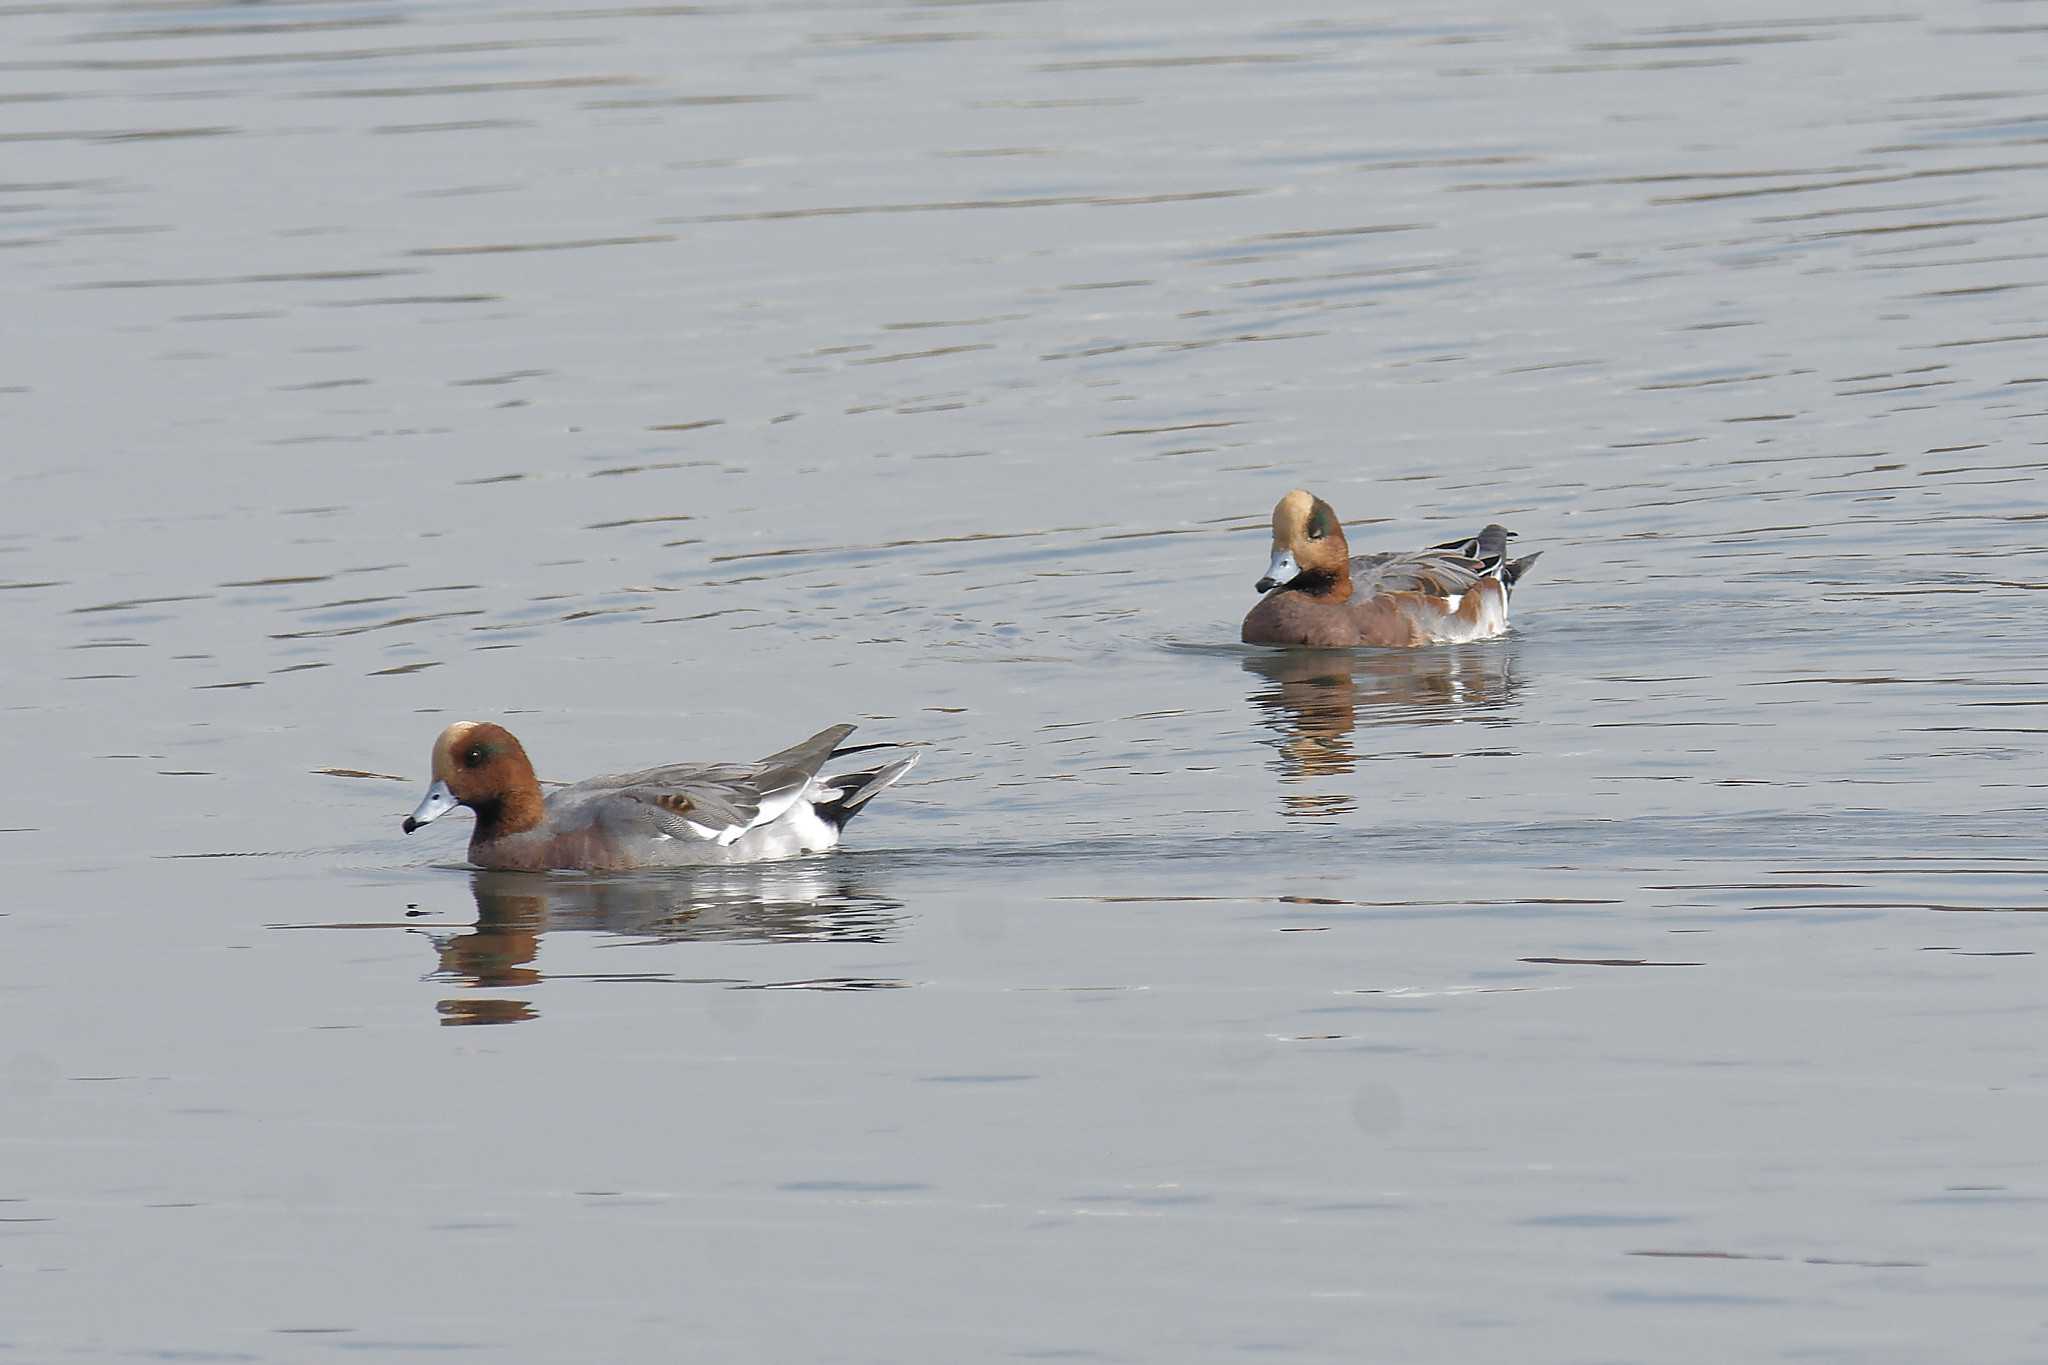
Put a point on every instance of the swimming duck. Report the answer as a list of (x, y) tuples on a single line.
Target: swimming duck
[(684, 814), (1318, 595)]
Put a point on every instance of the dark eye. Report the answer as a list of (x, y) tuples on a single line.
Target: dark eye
[(1315, 532), (475, 757)]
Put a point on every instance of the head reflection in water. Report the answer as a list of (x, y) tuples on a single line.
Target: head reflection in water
[(1316, 700), (801, 902)]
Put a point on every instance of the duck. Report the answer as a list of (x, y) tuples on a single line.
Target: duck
[(685, 814), (1318, 595)]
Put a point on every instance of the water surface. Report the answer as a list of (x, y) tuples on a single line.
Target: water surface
[(669, 381)]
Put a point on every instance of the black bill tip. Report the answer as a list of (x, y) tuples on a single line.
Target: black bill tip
[(409, 824), (1265, 585)]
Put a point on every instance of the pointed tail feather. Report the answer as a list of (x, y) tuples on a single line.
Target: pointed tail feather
[(855, 790), (1512, 573), (845, 749)]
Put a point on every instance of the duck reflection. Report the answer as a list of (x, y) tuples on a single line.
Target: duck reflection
[(777, 903), (1316, 699)]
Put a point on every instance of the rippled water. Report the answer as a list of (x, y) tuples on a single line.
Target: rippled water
[(1660, 982)]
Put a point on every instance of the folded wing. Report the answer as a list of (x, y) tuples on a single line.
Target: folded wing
[(1448, 570), (712, 802)]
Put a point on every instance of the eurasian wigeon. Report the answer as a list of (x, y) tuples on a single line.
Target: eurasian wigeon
[(1318, 595), (684, 814)]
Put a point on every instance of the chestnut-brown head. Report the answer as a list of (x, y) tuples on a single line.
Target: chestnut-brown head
[(1309, 550), (480, 765)]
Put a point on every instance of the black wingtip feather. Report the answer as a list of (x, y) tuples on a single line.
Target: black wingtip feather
[(845, 749), (1490, 543)]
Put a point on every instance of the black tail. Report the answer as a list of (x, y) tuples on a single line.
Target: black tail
[(1512, 573), (855, 790)]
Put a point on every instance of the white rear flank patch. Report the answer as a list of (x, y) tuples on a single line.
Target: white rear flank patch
[(813, 833), (801, 830)]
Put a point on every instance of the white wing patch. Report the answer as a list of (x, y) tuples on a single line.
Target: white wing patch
[(771, 811)]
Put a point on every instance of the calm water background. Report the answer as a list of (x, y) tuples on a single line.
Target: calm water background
[(1658, 983)]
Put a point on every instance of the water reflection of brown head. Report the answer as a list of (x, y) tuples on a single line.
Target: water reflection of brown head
[(1316, 699), (809, 901), (497, 954)]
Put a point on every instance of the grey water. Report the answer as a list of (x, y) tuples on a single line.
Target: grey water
[(1660, 982)]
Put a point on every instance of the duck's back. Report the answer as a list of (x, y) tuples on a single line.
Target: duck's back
[(1440, 573)]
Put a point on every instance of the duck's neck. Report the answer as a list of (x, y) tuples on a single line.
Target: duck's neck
[(1321, 585), (511, 812)]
